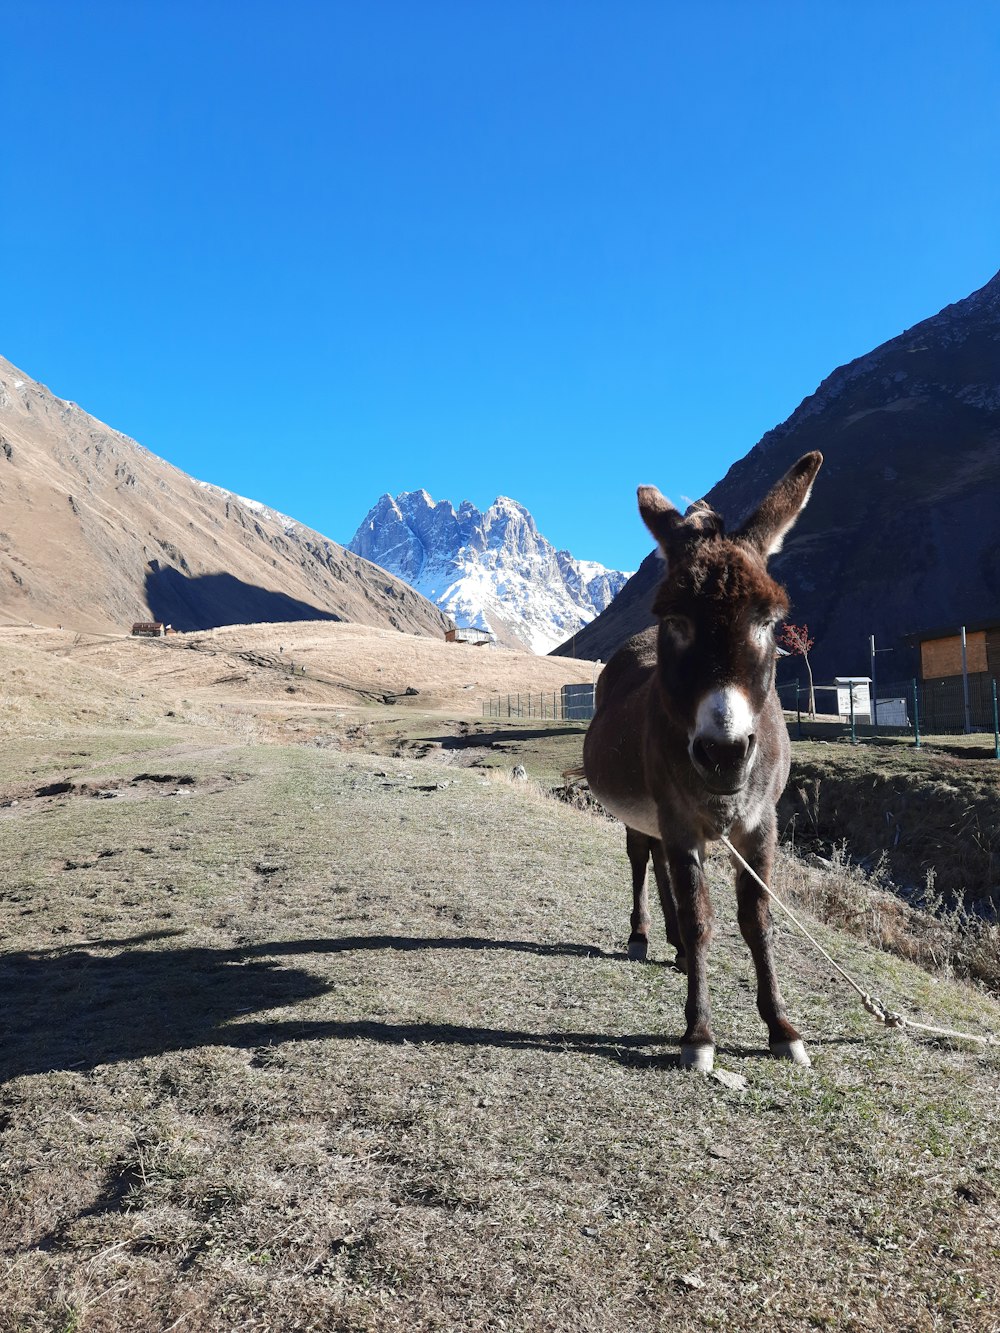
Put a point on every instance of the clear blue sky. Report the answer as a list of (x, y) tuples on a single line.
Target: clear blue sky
[(542, 248)]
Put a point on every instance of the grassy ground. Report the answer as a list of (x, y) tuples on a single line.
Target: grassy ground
[(310, 1037)]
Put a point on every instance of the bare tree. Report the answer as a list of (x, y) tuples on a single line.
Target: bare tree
[(796, 640)]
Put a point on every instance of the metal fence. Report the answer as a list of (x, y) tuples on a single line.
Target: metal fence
[(901, 708), (573, 703), (953, 706)]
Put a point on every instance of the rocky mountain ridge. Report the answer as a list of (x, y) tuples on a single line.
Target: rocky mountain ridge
[(490, 569), (97, 532), (902, 533)]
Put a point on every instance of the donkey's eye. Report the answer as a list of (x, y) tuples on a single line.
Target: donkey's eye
[(681, 630)]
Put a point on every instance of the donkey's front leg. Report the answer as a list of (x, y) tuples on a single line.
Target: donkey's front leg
[(694, 920), (757, 847)]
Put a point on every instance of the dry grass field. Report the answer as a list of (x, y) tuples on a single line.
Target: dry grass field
[(302, 1036), (273, 669)]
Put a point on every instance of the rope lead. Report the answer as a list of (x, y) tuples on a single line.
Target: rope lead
[(872, 1003)]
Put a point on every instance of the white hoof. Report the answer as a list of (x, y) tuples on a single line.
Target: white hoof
[(699, 1058), (791, 1050)]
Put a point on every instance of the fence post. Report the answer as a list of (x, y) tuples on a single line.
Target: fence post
[(854, 734), (996, 723), (916, 716), (798, 710)]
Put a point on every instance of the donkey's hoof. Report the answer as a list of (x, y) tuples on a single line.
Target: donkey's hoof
[(637, 950), (791, 1050), (699, 1058), (681, 963)]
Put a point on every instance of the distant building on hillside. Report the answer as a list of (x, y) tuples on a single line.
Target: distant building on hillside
[(479, 638), (150, 629)]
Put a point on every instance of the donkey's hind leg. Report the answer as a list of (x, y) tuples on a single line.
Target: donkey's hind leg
[(638, 847), (662, 873)]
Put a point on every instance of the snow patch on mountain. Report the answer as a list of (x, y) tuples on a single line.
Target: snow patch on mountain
[(290, 525), (489, 570)]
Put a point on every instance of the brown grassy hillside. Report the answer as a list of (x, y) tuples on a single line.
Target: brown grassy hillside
[(97, 532)]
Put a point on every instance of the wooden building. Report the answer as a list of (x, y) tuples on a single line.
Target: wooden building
[(953, 700), (941, 654)]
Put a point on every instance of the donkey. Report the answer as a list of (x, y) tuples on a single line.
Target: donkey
[(688, 741)]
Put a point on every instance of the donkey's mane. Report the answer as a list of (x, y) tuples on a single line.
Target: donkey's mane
[(721, 571), (703, 521)]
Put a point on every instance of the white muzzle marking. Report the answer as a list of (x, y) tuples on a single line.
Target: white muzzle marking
[(724, 715)]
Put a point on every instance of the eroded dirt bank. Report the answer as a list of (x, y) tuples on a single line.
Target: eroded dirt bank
[(934, 818)]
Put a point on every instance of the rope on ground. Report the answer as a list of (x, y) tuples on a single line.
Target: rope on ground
[(875, 1006)]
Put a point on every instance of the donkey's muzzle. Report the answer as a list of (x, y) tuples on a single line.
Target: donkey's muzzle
[(724, 766)]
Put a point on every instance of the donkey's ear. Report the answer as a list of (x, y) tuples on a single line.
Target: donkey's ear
[(766, 527), (659, 515)]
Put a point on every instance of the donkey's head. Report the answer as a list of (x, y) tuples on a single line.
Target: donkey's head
[(718, 608)]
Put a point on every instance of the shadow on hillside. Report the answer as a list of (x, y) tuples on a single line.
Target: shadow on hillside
[(211, 600), (74, 1009)]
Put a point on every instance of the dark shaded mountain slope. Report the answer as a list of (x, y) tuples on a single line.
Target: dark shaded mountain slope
[(903, 529)]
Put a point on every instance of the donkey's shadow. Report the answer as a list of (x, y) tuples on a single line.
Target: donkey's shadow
[(75, 1009)]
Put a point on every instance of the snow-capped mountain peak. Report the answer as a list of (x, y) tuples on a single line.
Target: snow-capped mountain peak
[(490, 570)]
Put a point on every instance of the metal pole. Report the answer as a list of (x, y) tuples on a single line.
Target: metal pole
[(916, 716), (965, 684), (996, 724), (798, 709), (854, 734), (873, 704)]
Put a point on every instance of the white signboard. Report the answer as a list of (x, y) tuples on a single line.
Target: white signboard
[(862, 701)]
